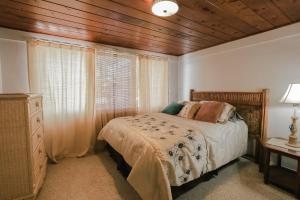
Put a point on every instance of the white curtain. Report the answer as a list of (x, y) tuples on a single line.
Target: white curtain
[(64, 75), (115, 85), (153, 84)]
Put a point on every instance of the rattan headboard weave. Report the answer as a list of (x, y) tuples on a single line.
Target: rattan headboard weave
[(252, 106)]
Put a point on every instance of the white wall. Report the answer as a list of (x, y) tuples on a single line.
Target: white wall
[(13, 72), (14, 52), (268, 60)]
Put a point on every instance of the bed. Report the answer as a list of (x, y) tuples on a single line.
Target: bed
[(165, 151)]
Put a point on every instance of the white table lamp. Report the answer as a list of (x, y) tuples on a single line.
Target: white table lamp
[(292, 96)]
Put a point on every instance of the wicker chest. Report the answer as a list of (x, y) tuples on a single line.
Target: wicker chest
[(23, 158)]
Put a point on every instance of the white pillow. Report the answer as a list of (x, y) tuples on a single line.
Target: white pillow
[(225, 115)]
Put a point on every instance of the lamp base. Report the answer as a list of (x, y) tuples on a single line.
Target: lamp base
[(293, 139), (293, 142)]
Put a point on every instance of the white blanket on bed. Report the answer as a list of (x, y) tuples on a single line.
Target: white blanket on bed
[(166, 150)]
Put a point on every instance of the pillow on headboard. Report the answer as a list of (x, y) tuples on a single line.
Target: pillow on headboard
[(226, 113), (173, 108), (189, 110), (210, 111)]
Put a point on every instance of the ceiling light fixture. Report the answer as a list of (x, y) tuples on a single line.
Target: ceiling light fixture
[(164, 8)]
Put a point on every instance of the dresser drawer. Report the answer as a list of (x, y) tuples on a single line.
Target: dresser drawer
[(22, 167), (35, 105), (36, 121), (37, 138), (40, 178), (39, 156)]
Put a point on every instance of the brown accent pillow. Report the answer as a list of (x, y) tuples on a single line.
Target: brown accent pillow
[(210, 111)]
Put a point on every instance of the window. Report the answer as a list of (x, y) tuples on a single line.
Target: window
[(64, 74), (115, 78), (152, 84), (127, 83)]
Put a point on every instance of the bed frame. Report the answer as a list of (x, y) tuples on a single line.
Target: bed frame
[(252, 106)]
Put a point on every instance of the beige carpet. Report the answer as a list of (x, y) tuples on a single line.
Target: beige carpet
[(95, 177)]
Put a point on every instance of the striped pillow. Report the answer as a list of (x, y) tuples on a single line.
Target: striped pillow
[(189, 110), (227, 111)]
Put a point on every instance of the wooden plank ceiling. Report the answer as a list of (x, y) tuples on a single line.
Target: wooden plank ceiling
[(198, 24)]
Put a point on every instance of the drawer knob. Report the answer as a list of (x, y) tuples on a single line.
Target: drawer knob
[(41, 166), (37, 104), (38, 120), (40, 151), (38, 135)]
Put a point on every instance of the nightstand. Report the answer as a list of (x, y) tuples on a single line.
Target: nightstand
[(277, 174)]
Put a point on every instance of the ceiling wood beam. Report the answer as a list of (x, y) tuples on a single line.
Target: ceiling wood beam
[(58, 11), (181, 19), (291, 8), (103, 39), (197, 25), (213, 12), (132, 16), (56, 24), (39, 13), (267, 10), (243, 12)]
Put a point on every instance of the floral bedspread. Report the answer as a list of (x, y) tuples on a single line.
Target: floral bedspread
[(182, 149), (161, 149)]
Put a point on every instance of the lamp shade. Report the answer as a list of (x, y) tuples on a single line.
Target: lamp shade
[(164, 8), (292, 94)]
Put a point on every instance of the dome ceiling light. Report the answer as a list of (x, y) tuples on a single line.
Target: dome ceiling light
[(164, 8)]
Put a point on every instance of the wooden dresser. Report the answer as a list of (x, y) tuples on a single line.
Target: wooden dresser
[(23, 159)]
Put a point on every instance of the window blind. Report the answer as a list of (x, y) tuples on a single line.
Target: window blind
[(115, 81)]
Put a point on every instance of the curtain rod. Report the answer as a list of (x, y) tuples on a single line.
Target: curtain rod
[(61, 42), (117, 49), (108, 48)]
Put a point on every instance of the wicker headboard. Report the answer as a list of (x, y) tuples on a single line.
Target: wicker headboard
[(252, 106)]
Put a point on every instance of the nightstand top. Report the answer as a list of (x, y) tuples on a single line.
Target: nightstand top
[(279, 149)]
